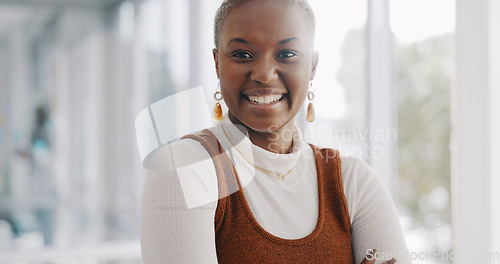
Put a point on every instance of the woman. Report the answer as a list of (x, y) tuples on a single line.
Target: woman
[(284, 201)]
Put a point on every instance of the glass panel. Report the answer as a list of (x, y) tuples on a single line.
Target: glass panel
[(340, 84), (72, 182), (424, 51), (73, 77)]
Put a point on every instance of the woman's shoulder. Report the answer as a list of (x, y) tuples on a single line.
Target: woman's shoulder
[(352, 166), (355, 166), (356, 172), (180, 153), (187, 166)]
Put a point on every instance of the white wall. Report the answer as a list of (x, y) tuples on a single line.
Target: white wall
[(475, 130)]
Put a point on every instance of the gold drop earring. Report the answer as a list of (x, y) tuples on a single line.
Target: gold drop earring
[(311, 115), (218, 108)]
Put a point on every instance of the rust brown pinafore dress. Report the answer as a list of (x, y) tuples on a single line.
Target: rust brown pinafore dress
[(239, 237)]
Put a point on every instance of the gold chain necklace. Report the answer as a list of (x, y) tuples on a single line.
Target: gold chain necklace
[(275, 174)]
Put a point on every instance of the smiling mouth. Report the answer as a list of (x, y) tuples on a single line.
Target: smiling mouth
[(265, 99)]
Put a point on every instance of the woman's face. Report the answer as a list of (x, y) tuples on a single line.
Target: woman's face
[(264, 62)]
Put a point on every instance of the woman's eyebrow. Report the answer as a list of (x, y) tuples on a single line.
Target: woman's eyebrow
[(240, 40), (244, 41), (282, 42)]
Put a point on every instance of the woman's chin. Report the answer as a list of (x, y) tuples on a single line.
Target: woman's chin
[(261, 125), (267, 126)]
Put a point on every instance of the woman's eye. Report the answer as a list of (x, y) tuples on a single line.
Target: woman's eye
[(286, 54), (242, 55)]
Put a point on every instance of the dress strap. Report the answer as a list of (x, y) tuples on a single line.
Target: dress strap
[(226, 173), (329, 164)]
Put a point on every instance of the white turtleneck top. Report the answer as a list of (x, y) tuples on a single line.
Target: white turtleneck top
[(180, 198)]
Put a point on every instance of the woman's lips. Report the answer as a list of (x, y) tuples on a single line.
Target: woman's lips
[(264, 99), (265, 104)]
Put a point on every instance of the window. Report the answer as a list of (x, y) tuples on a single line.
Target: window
[(424, 70), (69, 94)]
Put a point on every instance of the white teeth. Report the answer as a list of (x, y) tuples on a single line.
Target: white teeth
[(268, 99)]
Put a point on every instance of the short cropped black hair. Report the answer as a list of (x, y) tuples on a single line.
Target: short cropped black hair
[(228, 5)]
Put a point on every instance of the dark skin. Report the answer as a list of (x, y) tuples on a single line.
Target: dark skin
[(266, 52), (370, 259)]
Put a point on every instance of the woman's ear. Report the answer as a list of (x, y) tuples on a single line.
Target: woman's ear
[(315, 59), (216, 60)]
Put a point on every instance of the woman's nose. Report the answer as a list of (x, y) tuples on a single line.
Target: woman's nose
[(264, 71)]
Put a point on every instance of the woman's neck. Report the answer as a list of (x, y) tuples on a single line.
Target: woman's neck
[(277, 141)]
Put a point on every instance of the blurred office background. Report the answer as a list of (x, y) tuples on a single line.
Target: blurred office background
[(395, 86)]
